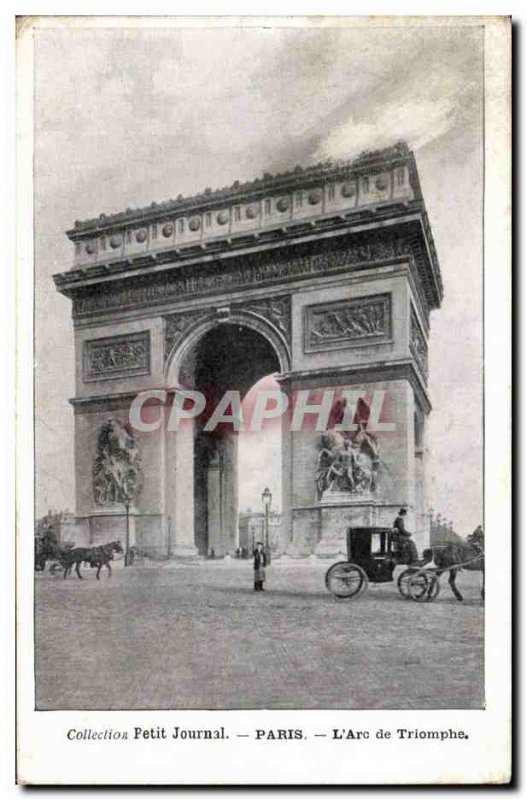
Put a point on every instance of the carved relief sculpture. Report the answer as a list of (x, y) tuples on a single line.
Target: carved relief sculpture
[(347, 464), (275, 309), (118, 356), (176, 325), (418, 345), (254, 269), (117, 471), (344, 323)]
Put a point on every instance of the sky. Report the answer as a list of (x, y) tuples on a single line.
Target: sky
[(127, 116)]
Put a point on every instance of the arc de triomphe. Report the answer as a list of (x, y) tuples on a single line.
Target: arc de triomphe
[(325, 276)]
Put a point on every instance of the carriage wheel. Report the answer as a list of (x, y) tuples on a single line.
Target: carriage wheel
[(417, 585), (345, 579), (403, 582), (423, 587)]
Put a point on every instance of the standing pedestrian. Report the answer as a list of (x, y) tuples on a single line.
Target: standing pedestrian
[(260, 562)]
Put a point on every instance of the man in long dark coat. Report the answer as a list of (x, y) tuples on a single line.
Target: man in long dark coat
[(260, 562)]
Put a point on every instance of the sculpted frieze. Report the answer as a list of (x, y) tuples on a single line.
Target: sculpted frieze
[(275, 309), (117, 356), (176, 325), (304, 261), (343, 323)]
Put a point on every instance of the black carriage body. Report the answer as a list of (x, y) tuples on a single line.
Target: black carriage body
[(373, 550), (373, 554)]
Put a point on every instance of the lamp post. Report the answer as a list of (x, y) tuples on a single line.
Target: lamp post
[(266, 500), (220, 487), (126, 501), (127, 497)]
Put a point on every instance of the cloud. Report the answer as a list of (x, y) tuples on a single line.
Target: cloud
[(418, 123)]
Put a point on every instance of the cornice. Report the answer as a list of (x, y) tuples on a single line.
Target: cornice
[(288, 232), (398, 369), (103, 402), (300, 176), (101, 277), (273, 268)]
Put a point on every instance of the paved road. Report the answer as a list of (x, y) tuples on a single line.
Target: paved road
[(168, 637)]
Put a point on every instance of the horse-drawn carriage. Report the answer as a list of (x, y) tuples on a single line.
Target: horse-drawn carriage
[(372, 555), (48, 552)]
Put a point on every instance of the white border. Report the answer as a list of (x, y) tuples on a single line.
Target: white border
[(44, 755)]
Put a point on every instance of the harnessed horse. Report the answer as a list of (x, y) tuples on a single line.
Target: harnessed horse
[(94, 556), (469, 555)]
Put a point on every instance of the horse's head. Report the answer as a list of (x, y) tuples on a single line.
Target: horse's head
[(476, 539), (117, 547)]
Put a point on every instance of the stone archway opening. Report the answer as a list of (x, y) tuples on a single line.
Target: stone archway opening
[(226, 358), (260, 468)]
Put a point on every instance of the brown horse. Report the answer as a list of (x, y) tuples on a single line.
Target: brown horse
[(94, 556), (469, 555)]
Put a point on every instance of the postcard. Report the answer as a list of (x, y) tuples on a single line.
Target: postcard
[(264, 352)]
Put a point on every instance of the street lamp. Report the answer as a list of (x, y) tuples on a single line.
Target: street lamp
[(266, 500), (126, 500)]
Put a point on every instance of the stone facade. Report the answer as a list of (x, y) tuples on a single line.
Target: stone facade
[(63, 524), (251, 529), (325, 276)]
